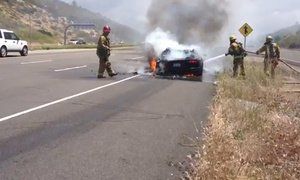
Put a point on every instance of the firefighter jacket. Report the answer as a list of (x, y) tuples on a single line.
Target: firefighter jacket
[(236, 50), (103, 48), (272, 51)]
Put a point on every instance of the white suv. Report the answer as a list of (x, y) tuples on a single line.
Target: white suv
[(10, 42)]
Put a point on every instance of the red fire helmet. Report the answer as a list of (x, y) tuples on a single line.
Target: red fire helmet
[(106, 29)]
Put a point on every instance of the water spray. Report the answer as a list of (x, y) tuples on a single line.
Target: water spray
[(215, 64), (215, 58)]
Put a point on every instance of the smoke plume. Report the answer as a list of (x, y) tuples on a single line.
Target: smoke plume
[(192, 21), (159, 40)]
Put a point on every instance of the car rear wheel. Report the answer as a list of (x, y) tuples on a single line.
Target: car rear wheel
[(24, 51), (3, 51)]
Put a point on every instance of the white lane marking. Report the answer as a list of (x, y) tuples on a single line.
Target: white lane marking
[(65, 99), (35, 62), (71, 68), (135, 58)]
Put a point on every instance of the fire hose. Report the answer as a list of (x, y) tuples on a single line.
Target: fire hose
[(280, 60)]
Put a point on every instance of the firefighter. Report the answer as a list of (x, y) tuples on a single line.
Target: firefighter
[(103, 52), (238, 52), (272, 56)]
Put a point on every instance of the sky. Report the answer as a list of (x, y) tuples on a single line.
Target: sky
[(264, 16), (128, 12)]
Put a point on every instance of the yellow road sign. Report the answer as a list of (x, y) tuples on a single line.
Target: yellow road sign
[(246, 30)]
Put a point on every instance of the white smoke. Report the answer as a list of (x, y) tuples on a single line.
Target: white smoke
[(161, 40)]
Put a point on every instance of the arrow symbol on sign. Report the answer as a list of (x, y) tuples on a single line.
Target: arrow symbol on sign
[(246, 29)]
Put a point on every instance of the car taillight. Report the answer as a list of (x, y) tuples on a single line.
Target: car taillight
[(189, 75), (193, 61)]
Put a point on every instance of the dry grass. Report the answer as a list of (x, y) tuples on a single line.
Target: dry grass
[(253, 132)]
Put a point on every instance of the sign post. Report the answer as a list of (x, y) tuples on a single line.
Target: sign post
[(246, 30)]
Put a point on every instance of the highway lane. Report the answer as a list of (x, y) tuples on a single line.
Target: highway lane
[(25, 85), (130, 130), (291, 54)]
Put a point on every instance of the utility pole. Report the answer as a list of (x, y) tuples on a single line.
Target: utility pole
[(30, 30)]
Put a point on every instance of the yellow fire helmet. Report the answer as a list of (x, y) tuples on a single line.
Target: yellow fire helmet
[(232, 38), (269, 39)]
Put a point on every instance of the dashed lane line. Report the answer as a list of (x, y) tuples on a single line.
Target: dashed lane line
[(135, 58), (35, 62), (71, 68), (64, 99)]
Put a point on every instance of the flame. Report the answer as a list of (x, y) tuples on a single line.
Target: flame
[(153, 64)]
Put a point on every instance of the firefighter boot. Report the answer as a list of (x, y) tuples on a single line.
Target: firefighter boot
[(113, 74)]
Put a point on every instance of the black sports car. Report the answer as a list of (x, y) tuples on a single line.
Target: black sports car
[(180, 63)]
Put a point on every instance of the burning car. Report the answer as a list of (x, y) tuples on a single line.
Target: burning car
[(183, 63)]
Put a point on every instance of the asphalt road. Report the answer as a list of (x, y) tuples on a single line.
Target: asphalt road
[(57, 121), (291, 54)]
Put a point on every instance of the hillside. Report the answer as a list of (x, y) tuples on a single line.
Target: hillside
[(288, 37), (43, 21)]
